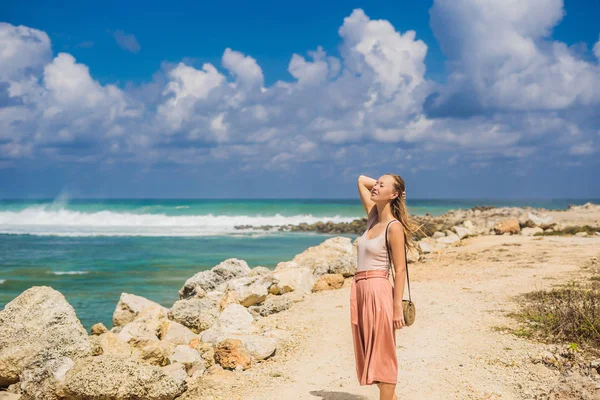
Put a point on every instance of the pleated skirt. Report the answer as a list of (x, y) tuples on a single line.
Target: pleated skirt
[(373, 333)]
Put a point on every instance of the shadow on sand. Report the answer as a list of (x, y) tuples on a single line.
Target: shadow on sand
[(326, 395)]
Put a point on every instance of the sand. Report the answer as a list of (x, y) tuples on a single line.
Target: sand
[(452, 351)]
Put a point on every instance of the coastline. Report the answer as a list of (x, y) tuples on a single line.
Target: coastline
[(236, 327)]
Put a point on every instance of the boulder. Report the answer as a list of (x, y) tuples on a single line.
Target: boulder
[(461, 231), (234, 319), (155, 353), (510, 226), (140, 332), (259, 347), (250, 290), (413, 255), (38, 319), (196, 314), (326, 256), (98, 329), (213, 279), (41, 376), (438, 234), (290, 276), (231, 354), (110, 376), (176, 371), (531, 231), (449, 239), (328, 282), (176, 333), (114, 344), (130, 306), (273, 304), (188, 357)]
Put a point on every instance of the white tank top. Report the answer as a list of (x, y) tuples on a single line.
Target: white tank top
[(372, 253)]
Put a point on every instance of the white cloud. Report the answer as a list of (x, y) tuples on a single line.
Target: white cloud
[(23, 50), (512, 91), (501, 54)]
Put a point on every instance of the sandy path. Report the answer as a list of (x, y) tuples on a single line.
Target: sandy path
[(452, 350)]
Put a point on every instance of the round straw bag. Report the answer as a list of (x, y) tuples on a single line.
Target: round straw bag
[(408, 307)]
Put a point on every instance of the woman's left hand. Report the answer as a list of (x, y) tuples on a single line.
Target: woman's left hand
[(399, 317)]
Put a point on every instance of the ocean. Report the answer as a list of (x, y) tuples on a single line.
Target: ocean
[(93, 250)]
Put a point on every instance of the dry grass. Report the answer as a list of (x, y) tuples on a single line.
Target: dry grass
[(569, 313)]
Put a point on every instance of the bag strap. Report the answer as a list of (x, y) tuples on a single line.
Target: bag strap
[(390, 259)]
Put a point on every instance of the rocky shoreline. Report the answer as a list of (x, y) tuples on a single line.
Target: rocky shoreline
[(154, 352)]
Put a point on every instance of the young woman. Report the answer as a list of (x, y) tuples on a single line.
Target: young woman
[(376, 307)]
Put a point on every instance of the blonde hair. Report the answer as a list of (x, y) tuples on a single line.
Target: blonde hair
[(400, 212)]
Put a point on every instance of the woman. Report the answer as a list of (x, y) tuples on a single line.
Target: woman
[(376, 307)]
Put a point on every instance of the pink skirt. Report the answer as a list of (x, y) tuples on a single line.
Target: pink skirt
[(373, 333)]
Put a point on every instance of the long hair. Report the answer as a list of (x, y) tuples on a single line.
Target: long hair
[(400, 212)]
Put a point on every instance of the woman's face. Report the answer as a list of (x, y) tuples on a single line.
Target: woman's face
[(383, 189)]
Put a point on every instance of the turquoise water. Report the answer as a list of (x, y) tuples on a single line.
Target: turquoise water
[(93, 250)]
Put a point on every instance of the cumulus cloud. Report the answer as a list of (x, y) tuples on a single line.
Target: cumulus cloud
[(506, 60), (511, 92)]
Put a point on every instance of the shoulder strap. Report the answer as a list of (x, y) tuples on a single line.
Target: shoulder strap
[(390, 259)]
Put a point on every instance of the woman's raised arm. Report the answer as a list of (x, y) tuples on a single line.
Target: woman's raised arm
[(365, 184)]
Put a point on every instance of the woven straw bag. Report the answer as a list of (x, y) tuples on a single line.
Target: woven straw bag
[(408, 306)]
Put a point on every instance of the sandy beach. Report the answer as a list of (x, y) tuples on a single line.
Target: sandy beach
[(453, 350)]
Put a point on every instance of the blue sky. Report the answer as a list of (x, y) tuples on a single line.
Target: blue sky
[(260, 100)]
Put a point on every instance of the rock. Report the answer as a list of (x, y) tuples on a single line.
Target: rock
[(196, 314), (449, 239), (188, 357), (155, 353), (290, 276), (176, 333), (462, 231), (469, 225), (40, 378), (328, 282), (96, 346), (278, 334), (130, 305), (259, 271), (176, 371), (114, 344), (206, 351), (582, 233), (510, 225), (230, 353), (413, 255), (231, 268), (38, 319), (259, 347), (539, 220), (438, 234), (549, 230), (230, 297), (322, 258), (140, 332), (531, 231), (234, 319), (206, 281), (428, 245), (98, 329), (250, 290), (109, 376), (273, 304), (10, 396), (344, 265)]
